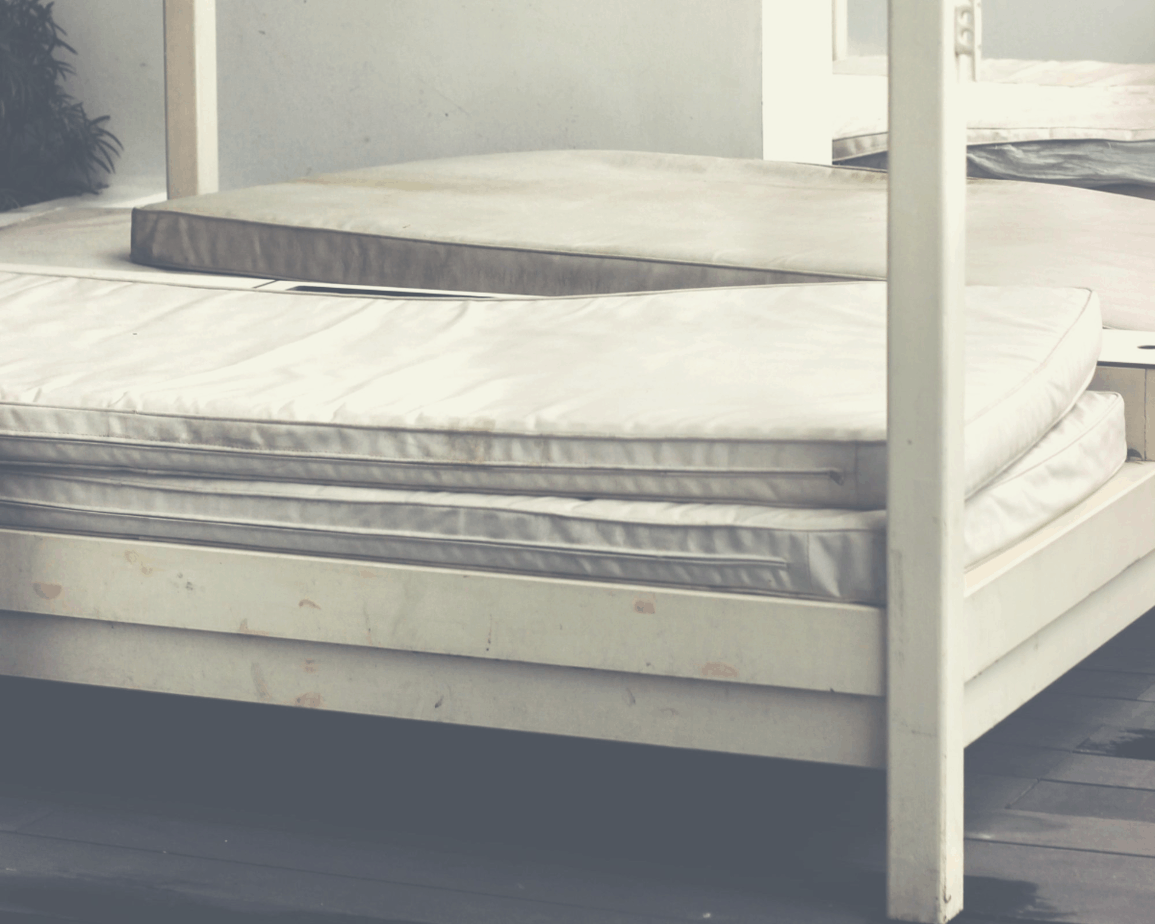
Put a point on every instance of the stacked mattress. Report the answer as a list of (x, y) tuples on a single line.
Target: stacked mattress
[(1083, 123), (730, 438), (590, 222)]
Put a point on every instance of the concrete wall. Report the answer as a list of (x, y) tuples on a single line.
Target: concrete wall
[(310, 86), (1065, 30), (120, 73)]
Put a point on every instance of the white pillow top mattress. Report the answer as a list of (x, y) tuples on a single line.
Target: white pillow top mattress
[(753, 394), (836, 554), (584, 222)]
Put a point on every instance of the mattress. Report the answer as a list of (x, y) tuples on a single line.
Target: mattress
[(587, 222), (751, 394), (1033, 71), (838, 554), (1024, 116)]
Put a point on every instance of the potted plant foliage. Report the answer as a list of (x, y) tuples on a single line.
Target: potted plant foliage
[(48, 146)]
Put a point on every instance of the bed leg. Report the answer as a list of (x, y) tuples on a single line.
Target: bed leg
[(190, 96), (927, 208)]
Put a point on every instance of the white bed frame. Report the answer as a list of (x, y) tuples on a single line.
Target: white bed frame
[(905, 687)]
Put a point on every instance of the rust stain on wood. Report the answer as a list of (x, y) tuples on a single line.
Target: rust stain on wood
[(720, 670), (244, 629), (309, 603), (47, 591), (262, 688), (310, 700)]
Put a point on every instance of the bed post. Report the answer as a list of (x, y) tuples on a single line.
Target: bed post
[(841, 31), (190, 96), (926, 240)]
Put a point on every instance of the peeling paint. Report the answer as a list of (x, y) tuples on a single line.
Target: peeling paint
[(720, 670), (47, 591)]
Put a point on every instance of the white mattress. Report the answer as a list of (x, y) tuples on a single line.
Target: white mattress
[(1022, 70), (824, 553), (581, 222), (1014, 101), (752, 394)]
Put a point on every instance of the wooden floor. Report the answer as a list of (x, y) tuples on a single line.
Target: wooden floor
[(122, 807)]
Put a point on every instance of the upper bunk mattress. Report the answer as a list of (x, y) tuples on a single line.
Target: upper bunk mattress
[(1077, 122), (585, 222), (751, 394), (836, 554)]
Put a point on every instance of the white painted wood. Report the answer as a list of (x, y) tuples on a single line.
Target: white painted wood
[(707, 715), (1016, 594), (1040, 660), (733, 638), (797, 81), (190, 87), (841, 29), (926, 241)]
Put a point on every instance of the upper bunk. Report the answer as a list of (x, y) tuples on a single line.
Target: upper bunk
[(1076, 122)]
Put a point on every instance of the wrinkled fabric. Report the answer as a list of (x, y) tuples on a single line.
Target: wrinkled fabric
[(753, 394), (835, 554), (581, 222)]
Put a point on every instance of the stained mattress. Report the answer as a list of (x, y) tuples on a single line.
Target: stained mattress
[(752, 394), (837, 554), (585, 222)]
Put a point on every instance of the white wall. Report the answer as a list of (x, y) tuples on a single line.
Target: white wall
[(309, 86), (120, 73), (1065, 30)]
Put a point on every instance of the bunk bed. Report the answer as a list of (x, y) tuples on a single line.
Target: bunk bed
[(902, 682)]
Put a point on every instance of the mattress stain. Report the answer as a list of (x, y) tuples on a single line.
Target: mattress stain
[(309, 700), (719, 670), (47, 591), (642, 605), (309, 603), (133, 559), (309, 666)]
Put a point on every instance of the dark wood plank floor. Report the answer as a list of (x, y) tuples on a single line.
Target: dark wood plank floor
[(121, 807)]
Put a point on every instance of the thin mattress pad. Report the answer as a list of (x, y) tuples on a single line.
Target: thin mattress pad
[(750, 394), (585, 222), (838, 554)]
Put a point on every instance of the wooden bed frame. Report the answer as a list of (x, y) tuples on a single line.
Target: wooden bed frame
[(905, 687)]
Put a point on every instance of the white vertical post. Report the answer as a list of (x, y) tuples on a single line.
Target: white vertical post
[(190, 91), (925, 500), (797, 81), (841, 31)]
